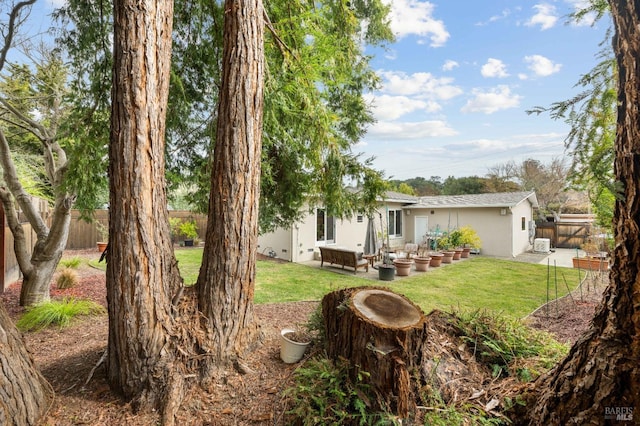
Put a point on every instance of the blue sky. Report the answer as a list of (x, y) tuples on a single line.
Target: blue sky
[(460, 76)]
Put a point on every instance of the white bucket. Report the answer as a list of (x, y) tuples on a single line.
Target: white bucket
[(291, 351)]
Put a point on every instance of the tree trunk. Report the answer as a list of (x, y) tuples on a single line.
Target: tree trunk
[(142, 274), (25, 395), (379, 332), (227, 277), (599, 381)]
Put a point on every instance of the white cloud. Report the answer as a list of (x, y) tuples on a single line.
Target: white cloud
[(541, 66), (414, 17), (491, 101), (494, 68), (387, 107), (449, 65), (421, 85), (503, 15), (387, 130), (545, 16)]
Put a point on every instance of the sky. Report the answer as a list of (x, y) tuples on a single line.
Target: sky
[(458, 80)]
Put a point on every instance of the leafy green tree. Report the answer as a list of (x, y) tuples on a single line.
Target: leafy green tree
[(32, 106), (25, 395), (463, 185), (315, 76)]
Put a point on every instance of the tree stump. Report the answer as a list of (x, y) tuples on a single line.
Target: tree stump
[(379, 332)]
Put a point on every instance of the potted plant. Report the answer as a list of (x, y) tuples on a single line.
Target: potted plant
[(422, 259), (444, 244), (293, 344), (103, 231), (403, 265), (469, 240), (595, 259)]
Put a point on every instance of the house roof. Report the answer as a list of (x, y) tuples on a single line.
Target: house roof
[(500, 199), (398, 197)]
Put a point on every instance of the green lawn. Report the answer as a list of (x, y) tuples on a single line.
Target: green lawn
[(512, 288)]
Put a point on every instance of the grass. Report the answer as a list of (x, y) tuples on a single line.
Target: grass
[(71, 262), (512, 288), (56, 312)]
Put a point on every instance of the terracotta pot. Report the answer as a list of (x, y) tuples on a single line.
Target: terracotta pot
[(447, 256), (101, 246), (457, 253), (403, 267), (436, 259), (465, 252), (422, 263)]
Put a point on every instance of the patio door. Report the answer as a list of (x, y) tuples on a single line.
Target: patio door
[(421, 226)]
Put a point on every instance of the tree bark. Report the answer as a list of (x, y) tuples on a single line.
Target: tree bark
[(600, 378), (142, 273), (25, 395), (227, 277)]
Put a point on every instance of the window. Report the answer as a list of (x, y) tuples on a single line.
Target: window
[(524, 223), (360, 218), (325, 227), (395, 223)]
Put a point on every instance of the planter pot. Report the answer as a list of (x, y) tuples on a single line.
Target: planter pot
[(591, 263), (457, 253), (188, 243), (403, 267), (447, 256), (290, 350), (386, 272), (436, 259), (422, 263), (101, 246), (465, 252)]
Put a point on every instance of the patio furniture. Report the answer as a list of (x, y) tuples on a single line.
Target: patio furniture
[(343, 257)]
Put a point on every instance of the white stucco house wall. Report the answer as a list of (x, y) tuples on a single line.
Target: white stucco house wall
[(503, 221)]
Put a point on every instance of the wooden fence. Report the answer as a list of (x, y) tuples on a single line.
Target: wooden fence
[(82, 235), (564, 234), (85, 235)]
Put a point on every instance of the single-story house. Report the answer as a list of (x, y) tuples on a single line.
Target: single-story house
[(503, 221)]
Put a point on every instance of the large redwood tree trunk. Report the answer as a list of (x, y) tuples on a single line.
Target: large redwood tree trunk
[(142, 274), (227, 277), (25, 395), (600, 378)]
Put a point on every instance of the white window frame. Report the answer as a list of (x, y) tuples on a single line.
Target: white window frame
[(328, 223), (392, 224)]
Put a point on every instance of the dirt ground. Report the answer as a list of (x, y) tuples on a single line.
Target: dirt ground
[(69, 359)]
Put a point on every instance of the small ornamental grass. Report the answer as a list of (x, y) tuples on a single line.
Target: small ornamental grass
[(56, 312), (68, 278)]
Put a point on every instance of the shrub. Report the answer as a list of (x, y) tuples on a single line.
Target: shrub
[(509, 347), (324, 394), (56, 312), (68, 278)]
